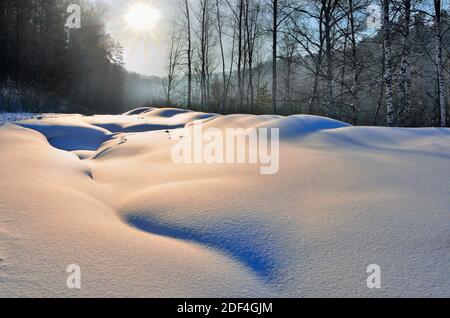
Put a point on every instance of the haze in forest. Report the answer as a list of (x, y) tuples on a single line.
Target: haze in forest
[(359, 61)]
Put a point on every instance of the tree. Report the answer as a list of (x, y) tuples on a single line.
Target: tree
[(405, 67), (223, 101), (288, 51), (175, 54), (439, 63), (188, 52), (329, 20), (322, 54), (275, 22), (354, 55), (3, 40), (252, 11), (388, 63), (205, 50), (240, 26)]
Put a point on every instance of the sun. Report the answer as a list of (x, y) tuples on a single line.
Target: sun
[(143, 17)]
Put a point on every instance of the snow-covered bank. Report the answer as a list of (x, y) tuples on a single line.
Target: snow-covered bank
[(12, 117), (103, 192)]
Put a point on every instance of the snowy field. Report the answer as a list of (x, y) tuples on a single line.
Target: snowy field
[(12, 117), (103, 192)]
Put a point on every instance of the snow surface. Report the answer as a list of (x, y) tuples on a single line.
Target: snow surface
[(103, 192), (12, 117)]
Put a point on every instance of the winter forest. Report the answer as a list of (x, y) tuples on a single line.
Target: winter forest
[(47, 67), (224, 149), (359, 61)]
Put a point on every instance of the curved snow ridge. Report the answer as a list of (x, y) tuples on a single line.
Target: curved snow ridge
[(161, 119), (171, 118), (69, 134), (289, 127), (138, 111), (420, 141), (89, 133), (233, 238), (166, 112), (250, 239), (301, 125)]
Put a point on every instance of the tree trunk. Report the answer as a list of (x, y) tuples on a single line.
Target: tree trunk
[(405, 68), (312, 104), (222, 55), (20, 29), (439, 66), (331, 105), (230, 71), (250, 26), (274, 55), (240, 52), (203, 53), (388, 64), (354, 88), (189, 55), (380, 95), (3, 33)]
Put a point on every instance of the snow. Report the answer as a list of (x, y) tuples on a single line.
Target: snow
[(12, 117), (103, 192), (138, 111)]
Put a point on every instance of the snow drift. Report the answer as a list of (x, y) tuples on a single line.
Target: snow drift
[(103, 192)]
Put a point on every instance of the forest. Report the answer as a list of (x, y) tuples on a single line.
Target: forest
[(47, 67), (364, 62)]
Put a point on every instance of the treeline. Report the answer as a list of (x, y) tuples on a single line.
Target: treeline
[(382, 62), (47, 67)]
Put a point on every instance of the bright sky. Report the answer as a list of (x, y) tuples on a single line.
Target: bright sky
[(141, 27)]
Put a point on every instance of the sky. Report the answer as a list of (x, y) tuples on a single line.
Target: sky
[(145, 51)]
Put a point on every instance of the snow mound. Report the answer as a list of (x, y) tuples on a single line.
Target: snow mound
[(84, 190), (131, 123), (189, 117), (166, 112), (138, 111), (432, 142), (68, 133), (301, 125), (290, 127), (381, 135), (242, 237), (15, 117)]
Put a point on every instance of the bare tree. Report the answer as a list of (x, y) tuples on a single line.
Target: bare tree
[(405, 67), (288, 52), (329, 8), (223, 101), (3, 39), (252, 12), (275, 24), (205, 50), (188, 52), (338, 58), (388, 63), (354, 85), (439, 64), (240, 26), (175, 55)]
